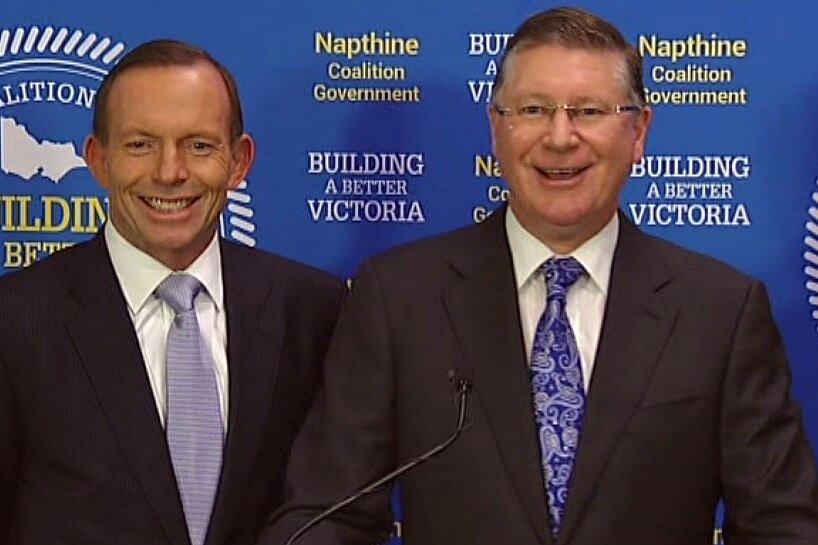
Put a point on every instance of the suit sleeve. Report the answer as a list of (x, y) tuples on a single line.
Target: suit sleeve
[(347, 439), (9, 446), (768, 468)]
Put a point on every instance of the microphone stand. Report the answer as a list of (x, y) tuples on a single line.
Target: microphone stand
[(463, 386)]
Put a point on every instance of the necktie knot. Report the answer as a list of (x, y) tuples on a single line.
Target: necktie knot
[(179, 291), (560, 274)]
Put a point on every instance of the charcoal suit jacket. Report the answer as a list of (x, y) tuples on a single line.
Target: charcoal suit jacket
[(689, 403)]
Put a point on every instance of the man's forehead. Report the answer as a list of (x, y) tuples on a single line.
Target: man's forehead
[(544, 60), (169, 96), (145, 74), (558, 50)]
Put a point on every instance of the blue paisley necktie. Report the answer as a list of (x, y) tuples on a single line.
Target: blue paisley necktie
[(556, 382)]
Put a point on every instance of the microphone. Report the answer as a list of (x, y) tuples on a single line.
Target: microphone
[(462, 383)]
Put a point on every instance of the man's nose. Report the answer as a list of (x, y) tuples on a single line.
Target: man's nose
[(560, 132), (172, 165)]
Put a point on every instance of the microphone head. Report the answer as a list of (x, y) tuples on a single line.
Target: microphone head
[(461, 379)]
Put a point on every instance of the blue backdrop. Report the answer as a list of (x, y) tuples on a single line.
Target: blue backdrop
[(371, 125)]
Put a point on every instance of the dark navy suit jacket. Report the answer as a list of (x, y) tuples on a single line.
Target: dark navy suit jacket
[(83, 456)]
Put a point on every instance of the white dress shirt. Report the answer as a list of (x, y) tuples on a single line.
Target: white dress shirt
[(585, 303), (139, 274)]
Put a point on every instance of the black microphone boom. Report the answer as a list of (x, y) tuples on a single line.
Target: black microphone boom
[(463, 384)]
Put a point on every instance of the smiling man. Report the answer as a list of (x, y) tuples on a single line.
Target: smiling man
[(165, 148), (622, 386), (152, 379)]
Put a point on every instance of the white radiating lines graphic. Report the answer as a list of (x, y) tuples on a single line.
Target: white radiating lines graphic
[(237, 221), (811, 255), (63, 41)]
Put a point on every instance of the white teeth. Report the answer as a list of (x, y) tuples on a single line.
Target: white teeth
[(561, 171), (168, 205)]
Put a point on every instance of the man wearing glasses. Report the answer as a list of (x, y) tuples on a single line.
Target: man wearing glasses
[(622, 386)]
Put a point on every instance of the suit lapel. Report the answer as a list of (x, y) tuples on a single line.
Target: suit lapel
[(482, 303), (638, 319), (97, 322), (255, 331)]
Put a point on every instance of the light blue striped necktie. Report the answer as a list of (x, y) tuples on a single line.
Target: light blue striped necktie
[(557, 385), (194, 423)]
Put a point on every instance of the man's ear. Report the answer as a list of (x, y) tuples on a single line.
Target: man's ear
[(244, 154), (493, 121), (95, 158), (642, 126)]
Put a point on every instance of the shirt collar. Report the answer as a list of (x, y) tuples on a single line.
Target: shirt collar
[(595, 255), (139, 274)]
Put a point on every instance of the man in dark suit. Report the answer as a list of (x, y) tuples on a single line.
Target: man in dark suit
[(622, 386), (126, 416)]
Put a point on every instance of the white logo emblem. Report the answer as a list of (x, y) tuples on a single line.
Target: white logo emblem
[(23, 154)]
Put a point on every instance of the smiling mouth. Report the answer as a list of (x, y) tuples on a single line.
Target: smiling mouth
[(560, 173), (168, 205)]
